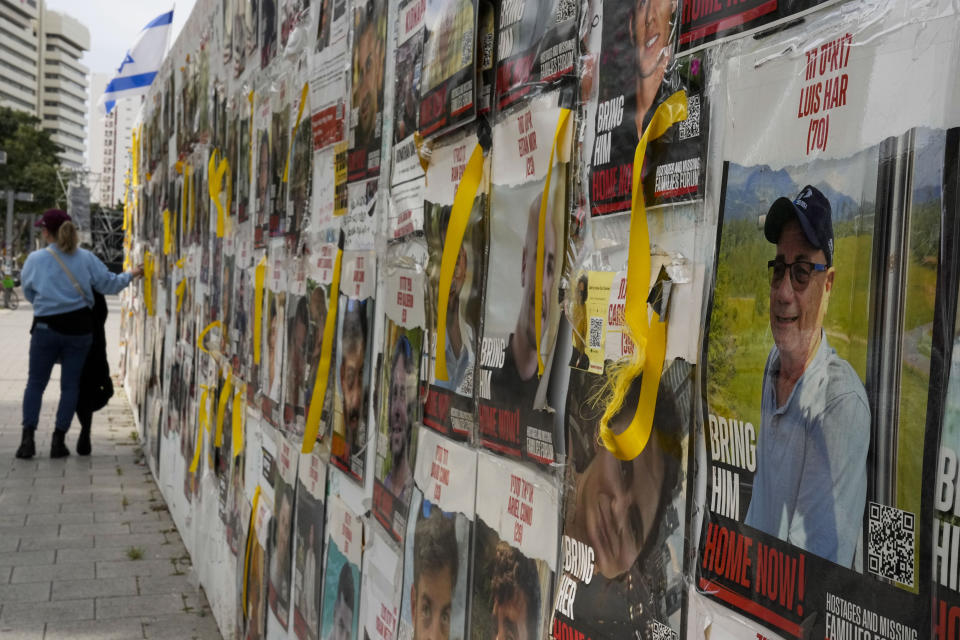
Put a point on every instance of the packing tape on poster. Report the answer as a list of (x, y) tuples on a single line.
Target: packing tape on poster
[(148, 281), (541, 232), (203, 334), (459, 217), (202, 420), (259, 275), (296, 125), (167, 235), (250, 97), (649, 341), (226, 395), (238, 417), (181, 289), (250, 536), (319, 392), (217, 168)]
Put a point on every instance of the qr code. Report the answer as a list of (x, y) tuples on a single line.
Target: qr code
[(660, 631), (595, 340), (890, 550), (466, 49), (566, 10), (690, 128)]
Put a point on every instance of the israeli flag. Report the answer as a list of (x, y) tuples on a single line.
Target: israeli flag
[(141, 63)]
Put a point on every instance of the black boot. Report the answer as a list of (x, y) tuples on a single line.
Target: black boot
[(57, 447), (83, 442), (27, 448)]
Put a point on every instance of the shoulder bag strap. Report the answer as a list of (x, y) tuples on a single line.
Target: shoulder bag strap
[(69, 273)]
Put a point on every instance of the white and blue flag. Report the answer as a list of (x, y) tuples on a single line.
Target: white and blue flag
[(141, 63)]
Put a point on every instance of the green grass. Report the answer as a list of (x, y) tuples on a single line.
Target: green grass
[(135, 553)]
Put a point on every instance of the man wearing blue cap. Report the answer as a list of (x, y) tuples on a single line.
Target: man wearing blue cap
[(811, 480)]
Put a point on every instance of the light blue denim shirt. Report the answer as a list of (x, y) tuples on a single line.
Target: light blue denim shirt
[(48, 287), (811, 480)]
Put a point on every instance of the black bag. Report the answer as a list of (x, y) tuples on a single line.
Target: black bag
[(101, 394)]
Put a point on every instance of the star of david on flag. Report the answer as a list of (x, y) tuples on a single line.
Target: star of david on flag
[(141, 63)]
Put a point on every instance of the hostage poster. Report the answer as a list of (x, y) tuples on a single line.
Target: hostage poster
[(818, 358), (448, 94), (366, 85)]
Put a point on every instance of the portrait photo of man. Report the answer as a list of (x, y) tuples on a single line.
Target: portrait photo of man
[(460, 336), (343, 606), (811, 478), (436, 562), (352, 380), (369, 40), (515, 585), (401, 408)]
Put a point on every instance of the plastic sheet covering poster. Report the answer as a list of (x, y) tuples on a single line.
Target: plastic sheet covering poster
[(320, 274), (369, 43), (449, 403), (263, 160), (341, 573), (448, 81), (328, 85), (436, 591), (624, 525), (516, 550), (280, 127), (818, 359), (354, 364), (406, 105), (536, 45), (512, 395), (299, 184), (256, 572), (380, 600), (405, 214), (399, 408), (629, 48), (704, 21), (299, 349), (281, 547), (268, 32), (293, 14), (272, 337), (308, 550), (486, 56)]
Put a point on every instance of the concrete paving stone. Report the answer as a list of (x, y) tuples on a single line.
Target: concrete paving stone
[(119, 568), (156, 526), (130, 539), (21, 631), (5, 573), (20, 482), (139, 606), (39, 612), (84, 507), (40, 543), (150, 585), (189, 626), (9, 543), (27, 508), (94, 529), (14, 496), (116, 629), (98, 588), (95, 555), (121, 516), (31, 530), (79, 517), (51, 572), (26, 558), (29, 592)]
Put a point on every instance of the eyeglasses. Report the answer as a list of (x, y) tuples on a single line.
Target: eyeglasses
[(800, 272)]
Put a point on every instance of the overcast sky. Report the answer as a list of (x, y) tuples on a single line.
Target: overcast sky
[(115, 25)]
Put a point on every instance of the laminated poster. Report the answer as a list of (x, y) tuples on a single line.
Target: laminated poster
[(380, 600), (486, 57), (298, 350), (624, 527), (512, 396), (280, 126), (256, 570), (436, 574), (272, 339), (369, 43), (263, 160), (516, 550), (328, 85), (308, 550), (299, 184), (268, 32), (410, 30), (703, 21), (281, 547), (341, 573), (405, 215), (818, 434), (448, 81)]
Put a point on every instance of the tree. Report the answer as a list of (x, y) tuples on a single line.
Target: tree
[(32, 160)]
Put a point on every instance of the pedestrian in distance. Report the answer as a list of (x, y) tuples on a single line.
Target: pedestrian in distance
[(59, 282)]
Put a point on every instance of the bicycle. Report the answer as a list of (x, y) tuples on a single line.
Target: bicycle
[(11, 302)]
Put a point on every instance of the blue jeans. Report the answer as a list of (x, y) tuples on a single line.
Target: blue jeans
[(46, 347)]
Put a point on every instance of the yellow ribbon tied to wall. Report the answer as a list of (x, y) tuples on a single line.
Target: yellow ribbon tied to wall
[(239, 414), (203, 334), (541, 232), (259, 275), (148, 281), (217, 168), (456, 228), (167, 235), (202, 422), (226, 395), (246, 555), (296, 125), (319, 393), (181, 289), (648, 334)]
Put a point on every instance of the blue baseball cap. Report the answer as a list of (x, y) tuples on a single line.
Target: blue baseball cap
[(812, 210)]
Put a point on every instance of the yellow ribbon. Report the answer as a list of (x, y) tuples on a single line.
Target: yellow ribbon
[(167, 236), (181, 289), (541, 232), (148, 281), (135, 156), (202, 421), (203, 334), (259, 274), (456, 228), (250, 536), (649, 337), (238, 418), (319, 394), (225, 396), (217, 168), (293, 134)]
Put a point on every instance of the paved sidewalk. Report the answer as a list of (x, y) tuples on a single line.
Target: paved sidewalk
[(87, 546)]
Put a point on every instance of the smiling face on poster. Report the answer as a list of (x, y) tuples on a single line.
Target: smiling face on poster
[(366, 102), (341, 582), (353, 371)]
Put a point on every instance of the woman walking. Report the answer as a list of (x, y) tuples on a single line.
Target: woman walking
[(59, 282)]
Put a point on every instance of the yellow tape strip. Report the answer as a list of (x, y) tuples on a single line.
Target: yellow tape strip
[(259, 274), (181, 289), (203, 334), (250, 536), (323, 368), (650, 341), (541, 232), (167, 235), (225, 396), (201, 424), (216, 169), (293, 134), (456, 228), (239, 415), (148, 281)]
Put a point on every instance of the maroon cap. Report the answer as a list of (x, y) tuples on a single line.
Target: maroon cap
[(52, 219)]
